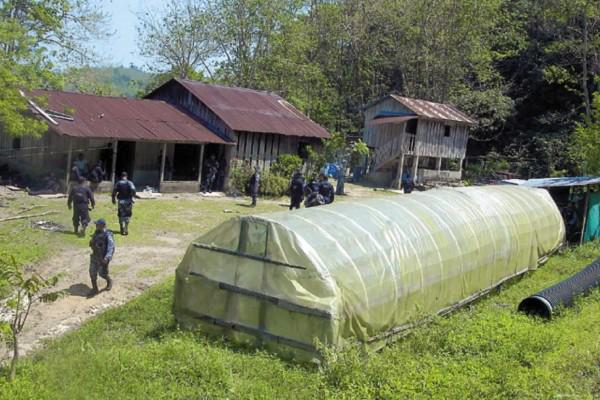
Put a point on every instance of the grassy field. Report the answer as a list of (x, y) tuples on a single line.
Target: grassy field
[(486, 350)]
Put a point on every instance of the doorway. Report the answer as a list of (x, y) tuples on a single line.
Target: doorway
[(186, 159), (125, 159)]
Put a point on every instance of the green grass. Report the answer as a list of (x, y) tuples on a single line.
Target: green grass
[(486, 350)]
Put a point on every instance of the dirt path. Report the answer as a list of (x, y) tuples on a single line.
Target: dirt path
[(135, 268)]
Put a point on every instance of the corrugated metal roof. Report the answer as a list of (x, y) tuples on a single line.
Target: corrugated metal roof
[(100, 117), (563, 182), (429, 109), (254, 111)]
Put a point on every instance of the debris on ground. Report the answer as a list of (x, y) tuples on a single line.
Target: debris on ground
[(48, 226), (148, 195), (51, 196), (27, 216), (228, 211)]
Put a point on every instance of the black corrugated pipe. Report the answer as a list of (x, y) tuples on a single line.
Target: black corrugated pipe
[(563, 293)]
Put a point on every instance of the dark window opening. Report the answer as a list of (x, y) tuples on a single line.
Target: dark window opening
[(303, 150), (411, 126), (185, 161), (447, 131), (16, 143)]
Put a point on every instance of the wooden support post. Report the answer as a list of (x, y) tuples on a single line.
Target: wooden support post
[(69, 160), (162, 164), (415, 167), (200, 164), (439, 165), (585, 213), (113, 174), (399, 171)]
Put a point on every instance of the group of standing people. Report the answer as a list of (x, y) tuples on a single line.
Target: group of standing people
[(81, 169), (81, 200)]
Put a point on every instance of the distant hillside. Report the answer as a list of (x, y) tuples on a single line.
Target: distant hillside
[(109, 81)]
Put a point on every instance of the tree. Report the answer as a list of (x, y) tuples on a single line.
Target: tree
[(34, 34), (586, 146), (20, 290), (179, 38), (576, 42)]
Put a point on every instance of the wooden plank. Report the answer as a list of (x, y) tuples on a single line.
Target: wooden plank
[(201, 163), (260, 154), (114, 161), (268, 151), (69, 158), (162, 163)]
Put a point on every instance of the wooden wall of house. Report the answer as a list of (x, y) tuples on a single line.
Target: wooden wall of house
[(37, 156), (377, 135), (432, 142), (262, 149), (175, 93)]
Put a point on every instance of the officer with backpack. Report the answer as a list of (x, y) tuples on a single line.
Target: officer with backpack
[(102, 244), (124, 191), (80, 198)]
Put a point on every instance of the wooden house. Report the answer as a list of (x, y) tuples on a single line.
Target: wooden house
[(164, 139), (429, 139)]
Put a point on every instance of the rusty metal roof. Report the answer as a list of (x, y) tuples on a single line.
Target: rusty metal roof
[(100, 117), (431, 110), (254, 111)]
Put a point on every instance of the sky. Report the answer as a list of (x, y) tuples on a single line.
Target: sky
[(121, 48)]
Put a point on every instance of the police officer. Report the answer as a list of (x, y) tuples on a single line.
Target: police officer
[(124, 191), (212, 168), (297, 190), (326, 189), (103, 248), (81, 197), (255, 185)]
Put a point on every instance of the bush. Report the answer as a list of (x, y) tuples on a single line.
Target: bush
[(286, 165), (239, 177), (274, 185)]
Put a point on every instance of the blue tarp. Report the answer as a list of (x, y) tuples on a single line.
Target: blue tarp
[(563, 182)]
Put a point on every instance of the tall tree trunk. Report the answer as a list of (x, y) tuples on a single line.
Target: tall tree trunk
[(584, 78)]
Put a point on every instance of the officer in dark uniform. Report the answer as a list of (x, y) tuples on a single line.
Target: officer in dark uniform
[(124, 191), (81, 197), (326, 189), (297, 190), (212, 168), (255, 185), (103, 249)]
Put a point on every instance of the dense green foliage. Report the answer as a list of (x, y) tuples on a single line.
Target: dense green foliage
[(485, 350), (286, 165), (587, 140), (524, 69)]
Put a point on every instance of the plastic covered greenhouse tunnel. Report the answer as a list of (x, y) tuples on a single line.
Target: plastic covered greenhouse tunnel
[(362, 270)]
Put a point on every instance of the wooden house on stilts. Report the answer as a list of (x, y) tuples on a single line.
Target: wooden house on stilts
[(428, 139)]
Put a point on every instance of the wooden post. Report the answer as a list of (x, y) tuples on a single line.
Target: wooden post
[(69, 159), (439, 165), (399, 171), (415, 167), (162, 164), (585, 213), (201, 163), (114, 162)]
